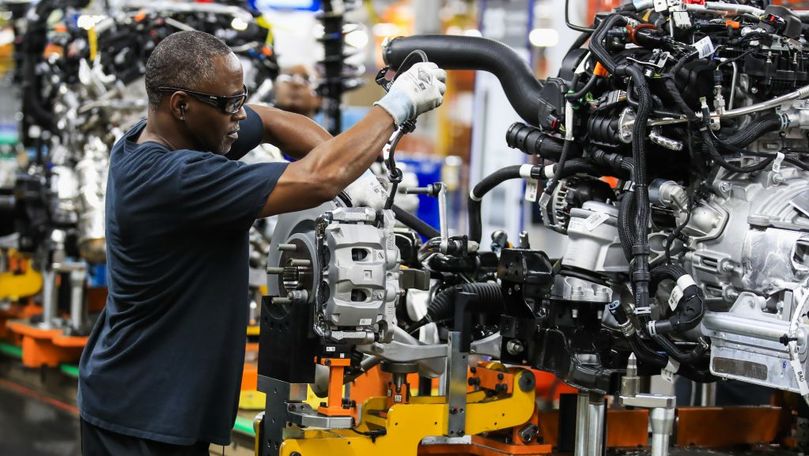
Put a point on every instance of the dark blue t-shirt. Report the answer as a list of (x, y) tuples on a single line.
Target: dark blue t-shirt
[(164, 360)]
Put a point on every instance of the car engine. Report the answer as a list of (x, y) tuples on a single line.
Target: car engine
[(669, 151)]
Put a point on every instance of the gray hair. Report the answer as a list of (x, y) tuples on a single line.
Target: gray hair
[(183, 59)]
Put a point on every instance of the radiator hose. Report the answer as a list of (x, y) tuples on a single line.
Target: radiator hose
[(472, 53)]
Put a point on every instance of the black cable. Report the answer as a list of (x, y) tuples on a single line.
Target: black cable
[(708, 140), (395, 176), (575, 96), (679, 229)]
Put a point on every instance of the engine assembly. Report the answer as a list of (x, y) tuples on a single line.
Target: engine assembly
[(670, 153)]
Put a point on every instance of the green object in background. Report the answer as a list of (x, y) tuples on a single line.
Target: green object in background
[(244, 426), (70, 370), (11, 350)]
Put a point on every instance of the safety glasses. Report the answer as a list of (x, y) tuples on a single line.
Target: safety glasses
[(229, 104), (294, 79)]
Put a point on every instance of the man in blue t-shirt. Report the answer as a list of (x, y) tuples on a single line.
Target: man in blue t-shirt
[(162, 368)]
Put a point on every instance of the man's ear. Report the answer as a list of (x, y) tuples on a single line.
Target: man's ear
[(178, 104)]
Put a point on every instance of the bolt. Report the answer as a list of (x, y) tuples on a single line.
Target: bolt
[(514, 347), (777, 179), (287, 247), (296, 262), (500, 376), (275, 270)]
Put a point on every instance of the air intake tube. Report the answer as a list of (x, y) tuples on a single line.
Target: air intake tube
[(472, 53)]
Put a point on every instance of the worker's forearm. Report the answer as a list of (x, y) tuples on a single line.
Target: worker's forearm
[(345, 157), (294, 134)]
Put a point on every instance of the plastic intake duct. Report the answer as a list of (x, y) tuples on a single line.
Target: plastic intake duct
[(472, 53)]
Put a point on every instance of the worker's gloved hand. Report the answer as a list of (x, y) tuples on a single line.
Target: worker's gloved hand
[(366, 191), (416, 91)]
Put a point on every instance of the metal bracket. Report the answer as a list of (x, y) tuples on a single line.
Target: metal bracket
[(302, 414), (456, 386)]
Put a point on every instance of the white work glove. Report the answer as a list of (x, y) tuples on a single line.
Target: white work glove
[(367, 191), (416, 91)]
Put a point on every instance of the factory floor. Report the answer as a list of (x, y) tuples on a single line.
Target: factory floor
[(39, 417)]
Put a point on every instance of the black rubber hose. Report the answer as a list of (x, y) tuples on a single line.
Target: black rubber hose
[(642, 351), (640, 247), (645, 354), (618, 165), (533, 141), (578, 166), (682, 357), (472, 53), (596, 45), (477, 193), (753, 131), (690, 307), (416, 224), (663, 272), (710, 147), (626, 223), (490, 296)]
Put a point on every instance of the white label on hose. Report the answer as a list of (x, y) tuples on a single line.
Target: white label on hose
[(550, 170), (675, 296), (668, 372), (661, 5), (704, 47), (594, 220), (776, 163), (525, 170), (531, 189), (685, 281)]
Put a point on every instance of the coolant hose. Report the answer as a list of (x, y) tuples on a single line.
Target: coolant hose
[(596, 45), (416, 224), (477, 193), (690, 307), (756, 128), (533, 141), (472, 53)]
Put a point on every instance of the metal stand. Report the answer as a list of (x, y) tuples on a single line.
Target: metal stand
[(662, 420), (661, 413), (590, 424)]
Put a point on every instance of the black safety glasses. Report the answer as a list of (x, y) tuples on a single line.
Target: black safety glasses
[(229, 105)]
